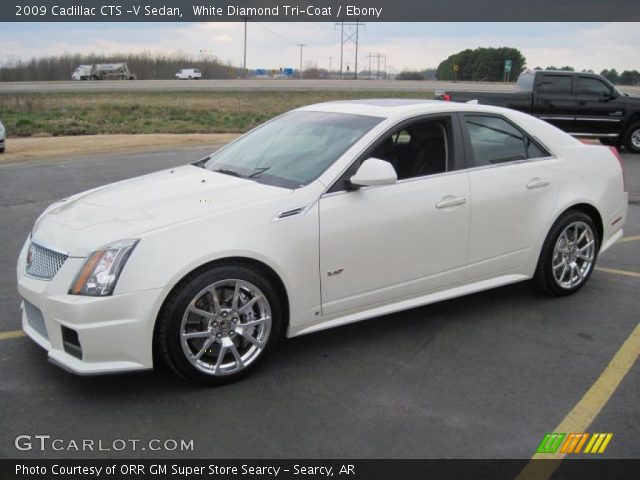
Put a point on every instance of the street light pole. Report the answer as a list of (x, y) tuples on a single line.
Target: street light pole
[(244, 63), (301, 45)]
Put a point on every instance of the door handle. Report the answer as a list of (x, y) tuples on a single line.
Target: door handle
[(538, 183), (450, 201)]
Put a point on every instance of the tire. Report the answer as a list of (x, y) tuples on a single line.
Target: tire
[(632, 138), (565, 266), (2, 150), (214, 328)]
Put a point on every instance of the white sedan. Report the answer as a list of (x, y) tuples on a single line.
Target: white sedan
[(326, 215), (3, 138)]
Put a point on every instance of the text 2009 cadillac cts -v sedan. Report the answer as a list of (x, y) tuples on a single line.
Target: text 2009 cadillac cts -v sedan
[(326, 215)]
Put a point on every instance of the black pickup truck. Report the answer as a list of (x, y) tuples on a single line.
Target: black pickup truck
[(582, 104)]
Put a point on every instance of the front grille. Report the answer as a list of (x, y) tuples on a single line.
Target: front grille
[(43, 262), (35, 318)]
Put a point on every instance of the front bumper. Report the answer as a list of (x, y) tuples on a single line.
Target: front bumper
[(88, 335)]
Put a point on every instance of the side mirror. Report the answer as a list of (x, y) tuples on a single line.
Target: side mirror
[(372, 172)]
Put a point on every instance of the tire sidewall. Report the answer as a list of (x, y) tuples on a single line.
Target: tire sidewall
[(544, 272), (171, 321), (628, 144)]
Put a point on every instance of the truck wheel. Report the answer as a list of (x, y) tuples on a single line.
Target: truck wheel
[(632, 139)]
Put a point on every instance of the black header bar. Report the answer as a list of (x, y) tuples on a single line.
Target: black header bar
[(318, 11)]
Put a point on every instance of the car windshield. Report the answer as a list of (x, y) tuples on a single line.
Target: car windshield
[(292, 150)]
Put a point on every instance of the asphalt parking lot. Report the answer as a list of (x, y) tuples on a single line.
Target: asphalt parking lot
[(484, 376)]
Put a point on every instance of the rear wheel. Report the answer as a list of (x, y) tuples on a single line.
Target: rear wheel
[(219, 325), (568, 254), (632, 138)]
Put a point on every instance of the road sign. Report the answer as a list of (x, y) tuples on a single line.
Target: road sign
[(507, 65), (288, 71), (456, 67), (261, 71)]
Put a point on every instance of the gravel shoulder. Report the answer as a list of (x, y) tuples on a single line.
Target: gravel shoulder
[(39, 148)]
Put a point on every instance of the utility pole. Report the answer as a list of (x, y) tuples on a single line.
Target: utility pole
[(350, 37), (301, 45), (244, 63), (330, 58)]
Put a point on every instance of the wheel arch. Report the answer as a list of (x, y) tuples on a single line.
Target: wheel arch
[(586, 208), (629, 122), (249, 262)]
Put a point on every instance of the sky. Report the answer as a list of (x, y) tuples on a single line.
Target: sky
[(593, 46)]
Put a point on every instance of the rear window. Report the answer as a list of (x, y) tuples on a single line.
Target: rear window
[(495, 140), (556, 84)]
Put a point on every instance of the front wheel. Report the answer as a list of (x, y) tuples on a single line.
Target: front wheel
[(632, 138), (568, 255), (219, 324)]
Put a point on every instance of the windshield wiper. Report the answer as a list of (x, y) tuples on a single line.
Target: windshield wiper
[(258, 171), (226, 171)]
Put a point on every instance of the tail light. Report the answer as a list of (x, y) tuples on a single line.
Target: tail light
[(615, 152), (447, 97)]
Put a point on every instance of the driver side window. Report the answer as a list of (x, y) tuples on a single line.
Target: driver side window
[(419, 149)]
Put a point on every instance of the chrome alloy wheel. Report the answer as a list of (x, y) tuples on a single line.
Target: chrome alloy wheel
[(635, 138), (225, 327), (573, 255)]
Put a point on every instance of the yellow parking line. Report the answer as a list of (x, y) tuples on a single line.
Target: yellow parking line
[(587, 409), (634, 238), (615, 271), (14, 334)]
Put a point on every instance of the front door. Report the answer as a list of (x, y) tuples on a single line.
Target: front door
[(387, 243)]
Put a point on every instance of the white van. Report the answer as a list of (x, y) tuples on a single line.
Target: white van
[(189, 74)]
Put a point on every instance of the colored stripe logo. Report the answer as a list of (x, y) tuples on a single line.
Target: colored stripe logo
[(574, 442)]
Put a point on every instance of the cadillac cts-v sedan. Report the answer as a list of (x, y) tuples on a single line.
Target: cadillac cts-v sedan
[(326, 215)]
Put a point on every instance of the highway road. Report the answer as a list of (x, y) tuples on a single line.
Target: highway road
[(483, 376), (256, 85)]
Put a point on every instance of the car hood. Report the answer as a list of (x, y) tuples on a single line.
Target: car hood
[(132, 207), (633, 96)]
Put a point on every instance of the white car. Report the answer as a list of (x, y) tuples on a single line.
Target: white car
[(189, 74), (326, 215), (3, 138)]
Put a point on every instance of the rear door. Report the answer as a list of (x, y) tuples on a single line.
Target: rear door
[(554, 100), (514, 185)]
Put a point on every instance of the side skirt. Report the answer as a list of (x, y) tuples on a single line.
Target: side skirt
[(403, 304)]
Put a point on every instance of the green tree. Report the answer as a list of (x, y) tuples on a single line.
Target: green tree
[(611, 75), (481, 64), (630, 77)]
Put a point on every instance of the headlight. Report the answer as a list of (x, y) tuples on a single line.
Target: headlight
[(100, 271)]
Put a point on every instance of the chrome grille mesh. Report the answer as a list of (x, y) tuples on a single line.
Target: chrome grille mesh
[(43, 262)]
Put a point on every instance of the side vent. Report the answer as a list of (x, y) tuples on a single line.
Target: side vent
[(290, 213)]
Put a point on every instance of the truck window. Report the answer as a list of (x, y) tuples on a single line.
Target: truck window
[(494, 140), (593, 86), (556, 84)]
